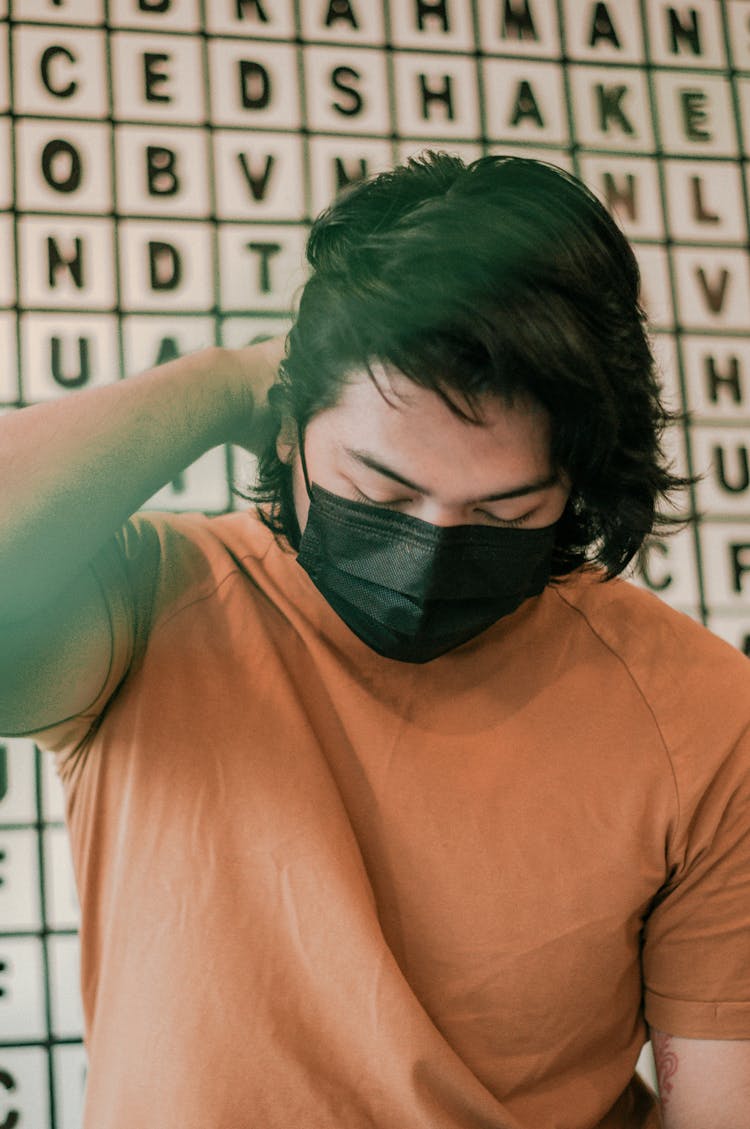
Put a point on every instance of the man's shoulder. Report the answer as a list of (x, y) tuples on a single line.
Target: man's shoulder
[(165, 560), (192, 544), (655, 641), (241, 530)]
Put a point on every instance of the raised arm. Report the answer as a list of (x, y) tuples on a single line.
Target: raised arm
[(72, 472)]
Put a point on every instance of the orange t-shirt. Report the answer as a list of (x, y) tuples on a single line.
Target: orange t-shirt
[(321, 888)]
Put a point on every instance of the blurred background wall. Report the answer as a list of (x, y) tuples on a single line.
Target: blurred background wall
[(160, 163)]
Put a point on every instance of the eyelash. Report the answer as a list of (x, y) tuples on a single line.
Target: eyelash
[(360, 497)]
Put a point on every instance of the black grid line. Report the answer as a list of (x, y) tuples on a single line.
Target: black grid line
[(115, 188), (481, 91), (573, 148), (733, 75), (45, 934), (14, 198), (655, 118)]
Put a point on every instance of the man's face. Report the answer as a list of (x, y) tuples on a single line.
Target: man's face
[(453, 469)]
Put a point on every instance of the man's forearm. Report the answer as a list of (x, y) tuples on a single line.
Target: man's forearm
[(72, 471)]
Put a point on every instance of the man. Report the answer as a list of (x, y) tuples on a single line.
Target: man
[(390, 804)]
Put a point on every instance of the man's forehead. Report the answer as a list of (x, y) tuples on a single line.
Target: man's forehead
[(394, 388)]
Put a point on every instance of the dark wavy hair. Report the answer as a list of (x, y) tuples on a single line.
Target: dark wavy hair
[(506, 278)]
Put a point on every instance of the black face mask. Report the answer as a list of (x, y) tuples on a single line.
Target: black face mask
[(411, 590)]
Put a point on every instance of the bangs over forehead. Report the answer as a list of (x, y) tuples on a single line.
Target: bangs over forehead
[(503, 279)]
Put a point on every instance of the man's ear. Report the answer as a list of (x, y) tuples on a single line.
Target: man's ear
[(286, 441)]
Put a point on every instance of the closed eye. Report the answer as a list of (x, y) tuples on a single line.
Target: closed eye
[(508, 522), (371, 501)]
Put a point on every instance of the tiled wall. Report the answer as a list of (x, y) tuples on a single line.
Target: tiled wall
[(160, 162)]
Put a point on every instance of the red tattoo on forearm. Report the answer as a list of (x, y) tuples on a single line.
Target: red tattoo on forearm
[(666, 1062)]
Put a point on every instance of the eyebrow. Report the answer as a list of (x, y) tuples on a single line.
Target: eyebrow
[(369, 460)]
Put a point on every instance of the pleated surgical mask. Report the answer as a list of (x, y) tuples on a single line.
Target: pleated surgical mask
[(412, 590)]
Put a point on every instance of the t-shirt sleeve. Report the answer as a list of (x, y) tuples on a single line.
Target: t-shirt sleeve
[(127, 569), (696, 952)]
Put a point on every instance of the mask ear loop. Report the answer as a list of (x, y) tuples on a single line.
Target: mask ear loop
[(301, 440)]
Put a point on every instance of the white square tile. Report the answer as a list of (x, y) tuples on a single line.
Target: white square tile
[(725, 553), (66, 263), (667, 568), (260, 266), (738, 14), (155, 15), (53, 797), (446, 26), (251, 19), (664, 348), (62, 907), (346, 89), (70, 1068), (63, 167), (686, 35), (162, 171), (611, 108), (157, 78), (71, 11), (152, 340), (60, 72), (259, 175), (254, 85), (63, 352), (519, 29), (22, 1014), (6, 170), (17, 780), (437, 96), (735, 629), (525, 101), (25, 1092), (713, 288), (345, 21), (237, 332), (9, 376), (705, 201), (201, 486), (610, 33), (743, 91), (629, 188), (336, 162), (695, 114), (722, 456), (20, 906), (165, 266), (7, 255), (4, 76), (717, 377), (65, 991), (656, 288)]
